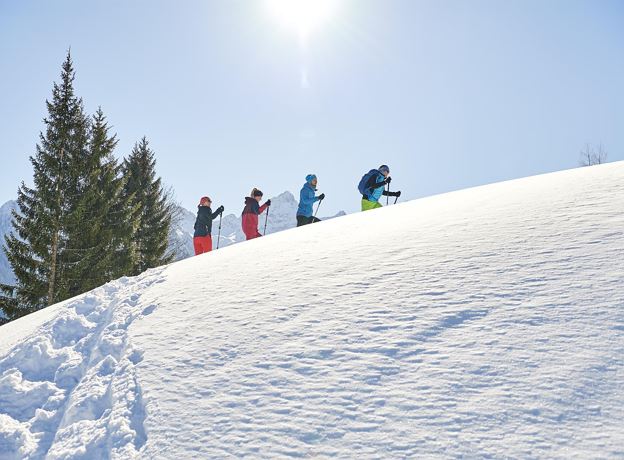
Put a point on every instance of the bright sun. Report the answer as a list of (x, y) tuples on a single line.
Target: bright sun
[(302, 15)]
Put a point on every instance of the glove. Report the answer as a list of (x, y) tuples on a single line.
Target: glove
[(268, 202), (388, 180), (220, 209), (397, 194), (321, 197)]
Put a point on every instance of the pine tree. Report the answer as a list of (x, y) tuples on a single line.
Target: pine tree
[(39, 251), (153, 208), (102, 224)]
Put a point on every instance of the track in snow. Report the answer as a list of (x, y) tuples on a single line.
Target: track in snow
[(70, 390)]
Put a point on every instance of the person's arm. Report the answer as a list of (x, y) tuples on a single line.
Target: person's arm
[(216, 214), (387, 193), (373, 184), (263, 208)]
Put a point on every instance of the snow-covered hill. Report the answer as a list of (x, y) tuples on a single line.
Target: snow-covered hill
[(486, 323)]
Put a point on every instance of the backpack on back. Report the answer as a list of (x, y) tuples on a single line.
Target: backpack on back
[(363, 185)]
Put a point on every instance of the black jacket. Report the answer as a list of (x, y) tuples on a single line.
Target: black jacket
[(203, 223)]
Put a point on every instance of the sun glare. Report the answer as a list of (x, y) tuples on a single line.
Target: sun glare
[(302, 15)]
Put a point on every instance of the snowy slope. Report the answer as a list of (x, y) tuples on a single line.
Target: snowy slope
[(482, 323)]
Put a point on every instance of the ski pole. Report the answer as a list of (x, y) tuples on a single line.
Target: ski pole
[(317, 208), (396, 199), (266, 221), (388, 196), (219, 236)]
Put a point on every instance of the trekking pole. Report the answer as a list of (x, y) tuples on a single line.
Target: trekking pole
[(266, 221), (219, 236), (317, 208)]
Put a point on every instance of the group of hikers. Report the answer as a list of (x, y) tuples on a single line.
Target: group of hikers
[(372, 187)]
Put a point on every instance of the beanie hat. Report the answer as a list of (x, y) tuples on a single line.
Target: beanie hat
[(384, 168), (255, 192), (310, 178)]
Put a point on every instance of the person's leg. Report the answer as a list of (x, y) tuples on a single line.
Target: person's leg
[(197, 245), (368, 205), (315, 220), (302, 220), (202, 244)]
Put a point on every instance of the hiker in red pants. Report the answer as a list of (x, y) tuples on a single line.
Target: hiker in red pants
[(202, 239), (251, 212)]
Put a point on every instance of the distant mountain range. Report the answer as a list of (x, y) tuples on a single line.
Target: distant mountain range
[(6, 273), (282, 217)]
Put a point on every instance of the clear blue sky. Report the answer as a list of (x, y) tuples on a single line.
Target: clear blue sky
[(449, 93)]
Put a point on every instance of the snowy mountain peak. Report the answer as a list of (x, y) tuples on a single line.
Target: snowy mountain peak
[(6, 273), (285, 197), (7, 207)]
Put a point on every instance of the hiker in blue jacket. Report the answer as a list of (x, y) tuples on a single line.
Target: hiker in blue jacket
[(372, 186), (307, 198)]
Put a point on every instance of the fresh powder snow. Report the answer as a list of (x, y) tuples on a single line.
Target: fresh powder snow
[(482, 323)]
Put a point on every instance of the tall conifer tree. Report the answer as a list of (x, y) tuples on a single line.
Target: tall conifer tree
[(37, 250), (154, 209), (103, 222)]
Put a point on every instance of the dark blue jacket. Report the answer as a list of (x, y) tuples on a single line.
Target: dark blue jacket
[(203, 223)]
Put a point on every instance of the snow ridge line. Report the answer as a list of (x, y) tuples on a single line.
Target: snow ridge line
[(71, 390)]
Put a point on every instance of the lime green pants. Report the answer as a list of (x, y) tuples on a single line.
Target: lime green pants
[(368, 205)]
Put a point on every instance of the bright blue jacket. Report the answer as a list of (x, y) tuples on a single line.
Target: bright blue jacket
[(375, 193), (306, 200)]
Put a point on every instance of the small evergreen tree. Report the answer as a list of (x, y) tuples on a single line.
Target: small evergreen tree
[(38, 249), (152, 205)]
